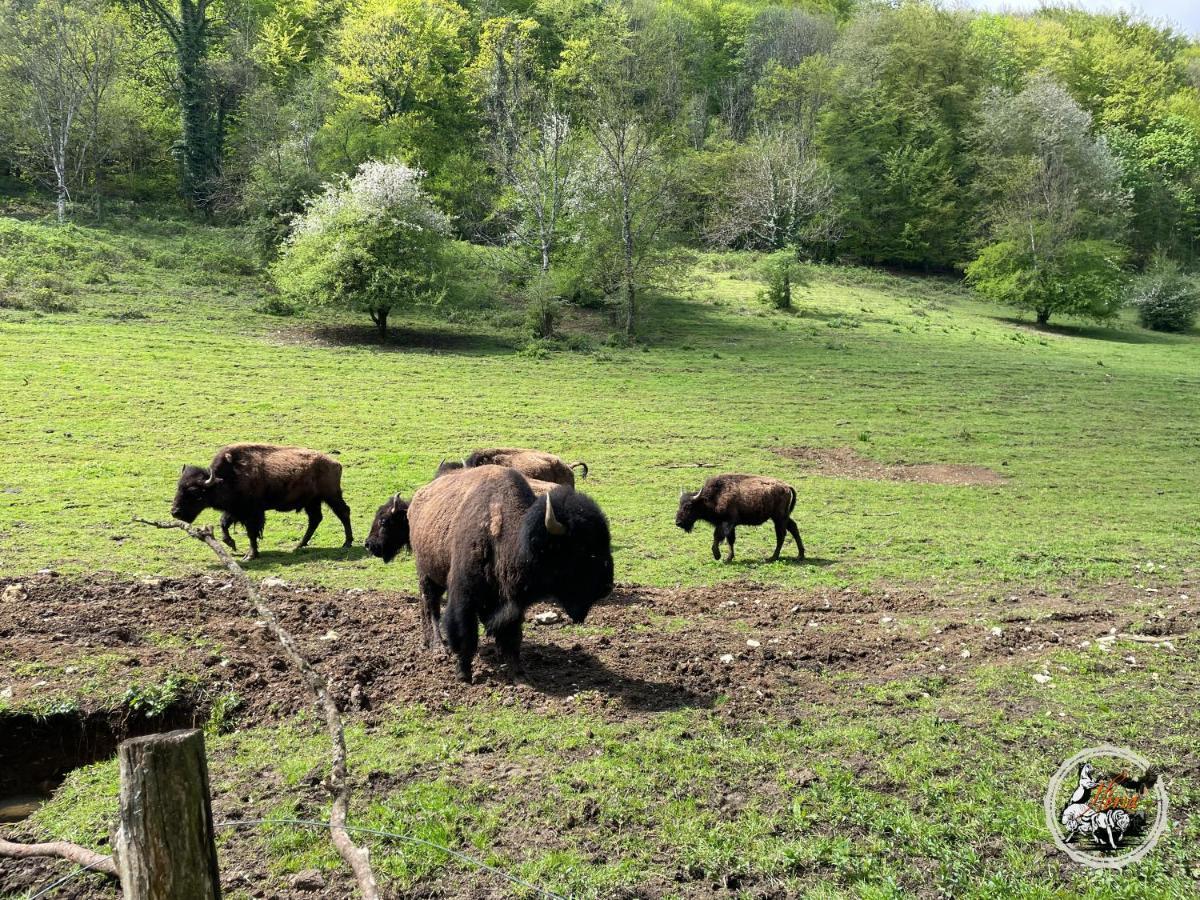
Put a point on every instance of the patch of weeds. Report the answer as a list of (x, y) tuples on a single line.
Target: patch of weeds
[(47, 300), (83, 807), (277, 306), (152, 700), (224, 709)]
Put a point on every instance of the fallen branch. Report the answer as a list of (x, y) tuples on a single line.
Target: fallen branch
[(357, 858), (89, 859)]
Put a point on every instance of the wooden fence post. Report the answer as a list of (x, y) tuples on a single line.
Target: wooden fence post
[(164, 839)]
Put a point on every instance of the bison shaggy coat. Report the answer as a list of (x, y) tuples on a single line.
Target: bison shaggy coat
[(727, 501), (485, 540), (246, 480), (535, 465)]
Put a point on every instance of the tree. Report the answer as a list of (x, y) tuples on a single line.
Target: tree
[(63, 58), (1166, 299), (202, 139), (630, 176), (1055, 207), (528, 134), (894, 133), (370, 242)]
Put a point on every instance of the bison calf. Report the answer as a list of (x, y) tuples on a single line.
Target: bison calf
[(727, 501), (487, 541), (246, 480), (533, 464)]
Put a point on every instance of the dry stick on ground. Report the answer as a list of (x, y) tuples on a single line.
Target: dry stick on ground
[(90, 859), (356, 857)]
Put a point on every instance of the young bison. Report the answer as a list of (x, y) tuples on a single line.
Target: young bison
[(495, 548), (533, 464), (246, 480), (731, 500)]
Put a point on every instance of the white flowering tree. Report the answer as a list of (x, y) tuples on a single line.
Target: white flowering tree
[(370, 242)]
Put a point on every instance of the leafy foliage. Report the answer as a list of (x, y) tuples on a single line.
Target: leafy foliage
[(370, 243), (1165, 298)]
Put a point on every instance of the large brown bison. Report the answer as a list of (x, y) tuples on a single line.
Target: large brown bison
[(534, 464), (727, 501), (246, 480), (495, 548)]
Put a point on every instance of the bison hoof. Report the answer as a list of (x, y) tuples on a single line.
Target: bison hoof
[(716, 554), (348, 544), (250, 557), (464, 677)]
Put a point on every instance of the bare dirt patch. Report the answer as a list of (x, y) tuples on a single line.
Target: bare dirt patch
[(846, 462), (743, 650)]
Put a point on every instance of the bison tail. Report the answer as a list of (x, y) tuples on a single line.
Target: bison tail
[(580, 465), (792, 505)]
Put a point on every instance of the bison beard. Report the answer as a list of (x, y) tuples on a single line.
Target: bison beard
[(485, 540), (246, 480)]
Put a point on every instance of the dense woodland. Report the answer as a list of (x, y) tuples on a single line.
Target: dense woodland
[(1053, 158)]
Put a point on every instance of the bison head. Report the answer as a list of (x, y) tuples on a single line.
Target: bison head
[(193, 494), (689, 511), (389, 531), (447, 465), (567, 551)]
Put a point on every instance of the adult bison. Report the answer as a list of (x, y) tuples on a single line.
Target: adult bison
[(483, 538), (246, 480), (534, 464), (727, 501)]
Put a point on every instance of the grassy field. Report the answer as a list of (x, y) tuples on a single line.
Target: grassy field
[(128, 351), (165, 359)]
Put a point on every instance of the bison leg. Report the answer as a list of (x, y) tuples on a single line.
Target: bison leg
[(461, 630), (508, 639), (795, 532), (431, 612), (226, 521), (255, 522), (342, 511), (314, 519), (730, 535), (780, 537), (718, 536)]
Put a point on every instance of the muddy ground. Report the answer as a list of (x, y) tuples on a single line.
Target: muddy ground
[(846, 462), (644, 651)]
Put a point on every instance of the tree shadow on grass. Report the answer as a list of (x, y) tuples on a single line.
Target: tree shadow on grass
[(809, 562), (1092, 332), (425, 339), (561, 671)]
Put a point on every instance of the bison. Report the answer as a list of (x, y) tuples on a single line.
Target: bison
[(246, 480), (533, 464), (487, 541), (727, 501)]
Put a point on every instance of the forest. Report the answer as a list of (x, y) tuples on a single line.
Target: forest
[(1053, 158)]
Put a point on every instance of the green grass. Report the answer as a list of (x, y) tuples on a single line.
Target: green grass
[(920, 784), (1094, 427)]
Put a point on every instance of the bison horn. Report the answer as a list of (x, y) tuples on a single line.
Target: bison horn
[(212, 476), (552, 524)]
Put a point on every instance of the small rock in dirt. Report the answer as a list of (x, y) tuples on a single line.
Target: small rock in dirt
[(886, 619), (1041, 678), (271, 582), (997, 631), (70, 670), (15, 593), (549, 617), (330, 635), (308, 880), (6, 693), (726, 658), (966, 654), (753, 643)]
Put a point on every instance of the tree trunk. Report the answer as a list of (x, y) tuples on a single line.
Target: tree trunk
[(627, 247), (163, 843), (1043, 316), (201, 150), (380, 317)]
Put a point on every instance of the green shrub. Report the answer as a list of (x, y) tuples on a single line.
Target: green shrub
[(543, 309), (277, 306), (1165, 298)]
